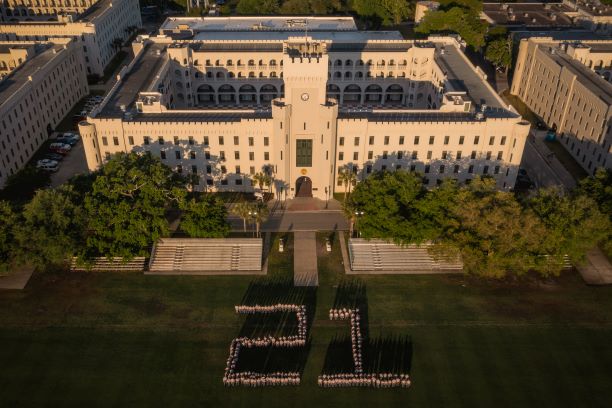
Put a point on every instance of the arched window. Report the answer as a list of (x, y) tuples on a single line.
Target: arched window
[(358, 74), (247, 94), (273, 62), (229, 63), (337, 74), (352, 94), (338, 63), (227, 94), (273, 74), (251, 63), (360, 62), (373, 94), (333, 91), (348, 63), (347, 75), (206, 94), (394, 93), (220, 75), (267, 92)]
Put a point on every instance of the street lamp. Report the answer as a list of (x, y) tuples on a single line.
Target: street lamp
[(253, 215), (326, 197), (357, 215)]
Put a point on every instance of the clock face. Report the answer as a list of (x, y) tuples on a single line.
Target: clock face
[(305, 96)]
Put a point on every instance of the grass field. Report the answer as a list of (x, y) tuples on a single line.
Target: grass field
[(78, 339)]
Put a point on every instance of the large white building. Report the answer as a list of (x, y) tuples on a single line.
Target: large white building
[(95, 25), (567, 83), (43, 83), (224, 98)]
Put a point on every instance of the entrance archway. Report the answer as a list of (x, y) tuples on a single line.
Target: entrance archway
[(303, 187)]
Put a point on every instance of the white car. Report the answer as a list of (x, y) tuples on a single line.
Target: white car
[(69, 135), (47, 164)]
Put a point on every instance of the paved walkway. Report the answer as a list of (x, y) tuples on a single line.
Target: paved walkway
[(597, 269), (305, 271), (16, 280)]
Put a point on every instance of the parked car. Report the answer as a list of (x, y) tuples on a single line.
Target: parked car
[(53, 156), (46, 164), (68, 141), (59, 147), (70, 135)]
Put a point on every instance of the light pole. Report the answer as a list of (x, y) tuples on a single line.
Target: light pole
[(326, 197), (253, 216), (357, 215)]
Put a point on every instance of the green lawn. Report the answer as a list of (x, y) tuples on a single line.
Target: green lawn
[(79, 339)]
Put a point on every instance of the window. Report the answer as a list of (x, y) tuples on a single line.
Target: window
[(446, 139), (160, 139), (384, 155), (426, 168), (340, 156), (252, 170), (303, 152), (471, 169), (221, 141), (368, 168), (370, 155), (223, 169), (208, 169), (221, 155), (476, 139), (131, 140), (162, 155), (237, 169), (251, 156), (356, 142), (461, 139), (485, 170), (176, 140), (489, 155), (416, 140), (442, 169), (491, 140), (412, 167), (473, 156), (444, 155), (400, 155), (104, 141), (177, 154), (496, 170), (386, 140), (192, 155), (194, 169), (237, 155), (458, 157), (266, 155), (503, 140), (341, 141), (432, 139), (238, 182), (207, 155), (355, 156), (456, 169), (251, 141), (147, 140), (191, 141), (500, 154), (429, 154), (401, 140), (266, 141), (107, 156), (415, 155), (206, 141), (236, 140), (371, 141)]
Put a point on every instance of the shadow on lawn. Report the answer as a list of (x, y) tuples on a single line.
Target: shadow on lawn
[(272, 291), (391, 354)]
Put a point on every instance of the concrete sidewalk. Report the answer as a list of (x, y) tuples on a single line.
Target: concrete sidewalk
[(597, 269), (305, 272), (17, 280)]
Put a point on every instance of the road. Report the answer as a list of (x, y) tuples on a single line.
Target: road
[(544, 168), (284, 221)]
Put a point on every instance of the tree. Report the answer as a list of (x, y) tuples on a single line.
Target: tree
[(348, 178), (499, 52), (52, 227), (295, 7), (242, 210), (599, 188), (574, 223), (126, 207), (205, 218), (460, 20), (262, 179), (493, 234), (20, 187), (8, 220), (257, 7), (397, 10), (389, 203)]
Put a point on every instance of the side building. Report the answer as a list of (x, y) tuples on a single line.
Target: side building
[(224, 98), (567, 84), (35, 95), (99, 29)]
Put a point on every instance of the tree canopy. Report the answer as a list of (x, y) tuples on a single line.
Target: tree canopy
[(463, 21), (8, 220), (127, 204), (205, 218)]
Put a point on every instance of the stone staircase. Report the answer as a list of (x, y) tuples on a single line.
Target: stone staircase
[(205, 256), (387, 257)]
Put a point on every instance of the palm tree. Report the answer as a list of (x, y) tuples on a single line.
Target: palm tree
[(351, 179), (260, 179), (242, 210), (259, 213), (348, 208)]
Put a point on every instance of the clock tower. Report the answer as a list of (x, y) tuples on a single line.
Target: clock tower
[(305, 124)]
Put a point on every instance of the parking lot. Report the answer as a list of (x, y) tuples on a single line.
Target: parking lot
[(74, 163)]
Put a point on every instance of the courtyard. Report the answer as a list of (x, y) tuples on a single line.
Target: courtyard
[(101, 339)]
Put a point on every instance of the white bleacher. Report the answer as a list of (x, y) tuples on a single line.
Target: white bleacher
[(379, 256), (206, 255), (103, 264)]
